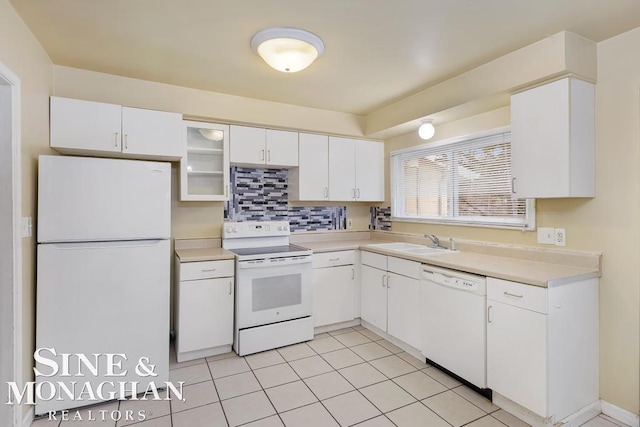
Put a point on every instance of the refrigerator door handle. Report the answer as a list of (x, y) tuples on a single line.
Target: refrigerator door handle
[(80, 246)]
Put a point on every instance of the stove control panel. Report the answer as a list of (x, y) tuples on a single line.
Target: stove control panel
[(235, 229)]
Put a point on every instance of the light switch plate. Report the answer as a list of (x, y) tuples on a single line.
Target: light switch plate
[(27, 227), (546, 236)]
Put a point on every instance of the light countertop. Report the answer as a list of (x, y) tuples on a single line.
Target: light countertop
[(534, 273), (204, 254)]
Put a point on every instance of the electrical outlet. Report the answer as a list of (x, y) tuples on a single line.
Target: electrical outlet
[(546, 236), (560, 237), (349, 223)]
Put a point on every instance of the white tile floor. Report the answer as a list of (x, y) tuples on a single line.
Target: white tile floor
[(343, 378)]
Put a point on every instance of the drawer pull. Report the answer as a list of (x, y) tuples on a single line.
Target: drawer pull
[(209, 270), (512, 295), (489, 314), (334, 259), (383, 281), (230, 286)]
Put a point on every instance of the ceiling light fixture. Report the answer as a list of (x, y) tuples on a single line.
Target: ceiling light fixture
[(287, 49), (426, 130)]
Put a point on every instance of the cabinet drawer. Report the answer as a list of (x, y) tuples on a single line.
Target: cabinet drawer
[(517, 294), (404, 267), (374, 260), (334, 259), (206, 269)]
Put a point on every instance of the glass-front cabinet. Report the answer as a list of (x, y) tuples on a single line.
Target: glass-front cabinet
[(204, 168)]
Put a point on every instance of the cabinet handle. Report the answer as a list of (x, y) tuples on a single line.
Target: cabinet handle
[(262, 155), (513, 185), (209, 270), (512, 295), (126, 141), (358, 194), (353, 274), (354, 193), (334, 259), (489, 314), (383, 281), (226, 190), (230, 286), (326, 192), (268, 155), (388, 287), (117, 139)]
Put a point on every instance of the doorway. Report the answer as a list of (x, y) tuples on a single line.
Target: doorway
[(10, 245)]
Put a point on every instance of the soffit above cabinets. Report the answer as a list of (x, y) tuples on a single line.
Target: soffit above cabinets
[(376, 52)]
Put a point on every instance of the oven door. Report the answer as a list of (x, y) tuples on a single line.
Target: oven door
[(272, 291)]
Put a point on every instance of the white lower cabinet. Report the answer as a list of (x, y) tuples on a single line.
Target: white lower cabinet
[(542, 345), (334, 286), (204, 308), (390, 296)]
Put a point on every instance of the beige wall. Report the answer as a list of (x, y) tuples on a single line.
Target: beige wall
[(22, 54), (608, 223)]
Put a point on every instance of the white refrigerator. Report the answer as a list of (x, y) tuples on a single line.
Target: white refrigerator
[(103, 278)]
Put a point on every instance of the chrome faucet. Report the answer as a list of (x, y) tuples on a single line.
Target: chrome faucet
[(436, 242), (433, 238)]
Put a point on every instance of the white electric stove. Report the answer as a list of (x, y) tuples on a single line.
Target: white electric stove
[(273, 306)]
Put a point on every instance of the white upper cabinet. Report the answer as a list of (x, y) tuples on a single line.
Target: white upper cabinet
[(369, 171), (282, 148), (264, 147), (310, 181), (204, 168), (553, 140), (151, 133), (95, 128), (356, 170), (85, 125)]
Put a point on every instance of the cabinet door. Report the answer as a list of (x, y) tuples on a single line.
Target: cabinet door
[(282, 148), (152, 134), (206, 314), (85, 125), (247, 145), (333, 295), (373, 298), (204, 168), (369, 171), (342, 172), (517, 355), (403, 322), (313, 171)]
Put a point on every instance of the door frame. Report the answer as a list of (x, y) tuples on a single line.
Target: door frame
[(15, 365)]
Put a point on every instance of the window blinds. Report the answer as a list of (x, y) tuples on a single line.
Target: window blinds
[(466, 181)]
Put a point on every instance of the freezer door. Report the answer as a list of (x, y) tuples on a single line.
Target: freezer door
[(93, 199), (98, 298)]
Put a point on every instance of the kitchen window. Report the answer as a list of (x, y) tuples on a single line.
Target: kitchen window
[(464, 181)]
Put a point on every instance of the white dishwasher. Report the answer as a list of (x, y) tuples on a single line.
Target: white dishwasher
[(453, 317)]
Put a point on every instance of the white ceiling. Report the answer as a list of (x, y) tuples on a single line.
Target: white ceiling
[(377, 51)]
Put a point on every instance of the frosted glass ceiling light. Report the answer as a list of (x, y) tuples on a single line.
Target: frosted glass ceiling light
[(287, 49), (426, 130)]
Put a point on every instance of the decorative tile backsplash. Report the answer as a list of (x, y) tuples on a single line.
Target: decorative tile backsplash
[(261, 195), (312, 218), (380, 218)]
